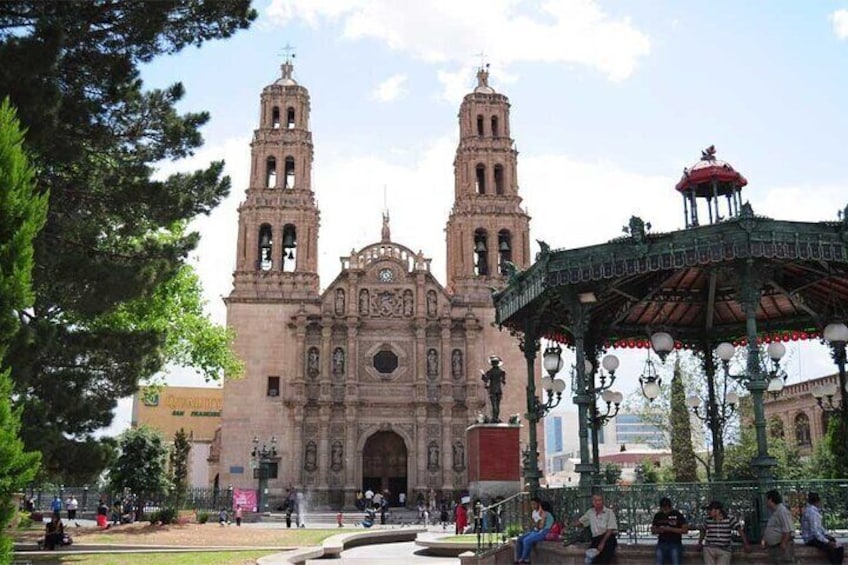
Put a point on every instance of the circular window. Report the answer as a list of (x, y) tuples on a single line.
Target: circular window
[(385, 362), (386, 275)]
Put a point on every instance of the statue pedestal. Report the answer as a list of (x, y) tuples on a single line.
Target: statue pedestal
[(494, 460)]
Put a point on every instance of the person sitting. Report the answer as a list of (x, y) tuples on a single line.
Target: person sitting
[(718, 531), (223, 517), (669, 525), (54, 533), (602, 523), (814, 534), (542, 522)]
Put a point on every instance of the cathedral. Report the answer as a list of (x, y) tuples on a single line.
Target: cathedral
[(372, 381)]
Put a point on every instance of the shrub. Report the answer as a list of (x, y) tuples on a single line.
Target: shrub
[(24, 520), (202, 517), (513, 530), (165, 516)]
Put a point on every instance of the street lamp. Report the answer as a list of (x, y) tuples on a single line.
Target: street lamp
[(262, 459), (613, 400), (650, 380), (662, 343), (836, 335), (731, 401), (776, 375), (536, 409)]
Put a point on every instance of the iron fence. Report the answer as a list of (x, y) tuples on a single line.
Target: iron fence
[(635, 506), (88, 498)]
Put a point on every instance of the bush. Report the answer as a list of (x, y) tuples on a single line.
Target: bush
[(165, 516), (513, 530), (24, 520), (202, 517)]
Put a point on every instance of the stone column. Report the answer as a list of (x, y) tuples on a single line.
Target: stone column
[(420, 456), (323, 449)]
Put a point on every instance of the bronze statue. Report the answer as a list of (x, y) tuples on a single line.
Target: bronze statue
[(495, 379)]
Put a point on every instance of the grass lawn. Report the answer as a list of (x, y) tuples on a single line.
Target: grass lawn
[(217, 558), (201, 535)]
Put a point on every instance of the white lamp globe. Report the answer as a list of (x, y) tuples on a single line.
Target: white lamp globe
[(732, 398), (725, 351), (559, 386), (608, 395), (610, 363), (776, 350), (618, 398), (551, 360), (651, 390), (775, 385), (588, 367), (662, 342), (547, 383), (693, 401), (836, 333)]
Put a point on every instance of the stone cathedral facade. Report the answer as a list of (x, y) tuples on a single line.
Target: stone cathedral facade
[(372, 381)]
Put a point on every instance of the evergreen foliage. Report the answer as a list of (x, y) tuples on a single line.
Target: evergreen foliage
[(142, 465), (178, 463), (610, 473), (22, 214), (682, 454), (836, 445), (114, 237)]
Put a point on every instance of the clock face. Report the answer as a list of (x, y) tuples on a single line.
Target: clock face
[(386, 275)]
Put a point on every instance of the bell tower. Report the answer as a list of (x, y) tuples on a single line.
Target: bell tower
[(277, 254), (487, 227)]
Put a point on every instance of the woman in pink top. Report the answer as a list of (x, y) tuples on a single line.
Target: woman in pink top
[(238, 515)]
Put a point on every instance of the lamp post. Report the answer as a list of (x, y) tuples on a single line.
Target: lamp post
[(537, 409), (836, 335), (715, 415), (262, 457), (661, 343), (606, 378)]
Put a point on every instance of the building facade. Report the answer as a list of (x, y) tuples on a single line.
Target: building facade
[(197, 410), (372, 381), (795, 414)]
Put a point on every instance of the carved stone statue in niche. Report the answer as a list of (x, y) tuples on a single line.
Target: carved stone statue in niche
[(456, 364), (432, 363), (364, 302), (337, 456), (310, 462), (431, 303), (340, 302), (312, 362), (338, 361), (458, 456), (407, 303), (433, 456)]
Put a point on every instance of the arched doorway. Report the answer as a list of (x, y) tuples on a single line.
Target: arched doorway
[(384, 464)]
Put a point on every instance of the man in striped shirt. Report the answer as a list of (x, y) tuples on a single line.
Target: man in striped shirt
[(718, 529)]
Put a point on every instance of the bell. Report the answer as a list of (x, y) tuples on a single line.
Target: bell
[(504, 245), (288, 239), (290, 255), (480, 246), (265, 240)]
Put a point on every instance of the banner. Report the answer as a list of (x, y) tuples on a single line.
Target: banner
[(246, 498)]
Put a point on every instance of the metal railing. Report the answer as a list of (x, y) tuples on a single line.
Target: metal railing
[(635, 506), (88, 498)]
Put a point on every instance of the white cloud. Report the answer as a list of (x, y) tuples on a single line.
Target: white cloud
[(391, 89), (839, 19), (448, 33)]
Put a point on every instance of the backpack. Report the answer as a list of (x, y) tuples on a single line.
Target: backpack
[(555, 532)]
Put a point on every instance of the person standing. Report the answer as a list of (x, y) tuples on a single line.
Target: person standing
[(542, 523), (669, 525), (238, 514), (813, 532), (56, 507), (718, 529), (461, 518), (601, 521), (402, 499), (71, 506), (777, 537)]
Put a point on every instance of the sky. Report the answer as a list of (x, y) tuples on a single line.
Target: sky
[(610, 101)]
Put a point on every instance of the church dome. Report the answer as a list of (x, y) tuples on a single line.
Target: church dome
[(710, 176)]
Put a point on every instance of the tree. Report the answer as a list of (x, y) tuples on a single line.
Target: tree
[(610, 473), (114, 236), (836, 445), (141, 467), (22, 214), (682, 454), (178, 460)]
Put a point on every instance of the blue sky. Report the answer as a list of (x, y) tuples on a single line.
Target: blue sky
[(610, 100)]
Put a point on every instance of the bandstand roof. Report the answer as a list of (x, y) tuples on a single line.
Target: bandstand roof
[(687, 282)]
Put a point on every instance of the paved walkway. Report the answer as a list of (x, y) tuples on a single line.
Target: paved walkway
[(387, 554)]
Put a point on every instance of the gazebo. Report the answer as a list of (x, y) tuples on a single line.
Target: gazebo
[(730, 279)]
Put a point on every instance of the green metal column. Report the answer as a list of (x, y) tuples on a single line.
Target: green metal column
[(582, 398), (757, 384), (532, 474)]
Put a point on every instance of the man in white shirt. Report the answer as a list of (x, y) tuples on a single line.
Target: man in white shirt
[(601, 521), (814, 534), (777, 536)]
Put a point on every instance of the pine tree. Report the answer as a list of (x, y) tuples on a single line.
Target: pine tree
[(682, 454), (178, 460), (113, 235), (22, 214), (141, 467)]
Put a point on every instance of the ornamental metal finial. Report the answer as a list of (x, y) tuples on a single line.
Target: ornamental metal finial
[(708, 154)]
